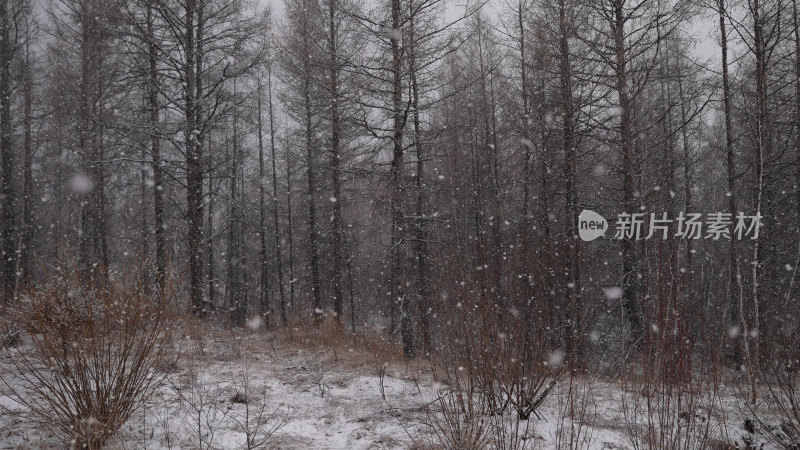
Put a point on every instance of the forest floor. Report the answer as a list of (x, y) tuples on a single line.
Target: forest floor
[(329, 392)]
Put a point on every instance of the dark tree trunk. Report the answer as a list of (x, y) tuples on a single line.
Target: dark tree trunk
[(194, 163), (210, 263), (236, 266), (630, 196), (735, 292), (263, 297), (155, 150), (311, 193), (7, 192), (290, 224), (423, 279), (574, 340), (26, 241), (275, 216), (93, 246), (796, 30), (335, 163), (398, 273)]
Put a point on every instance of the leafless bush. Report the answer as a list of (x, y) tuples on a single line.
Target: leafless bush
[(665, 412), (319, 380), (500, 360), (257, 422), (777, 416), (458, 416), (204, 402), (510, 433), (93, 354), (577, 411), (511, 355)]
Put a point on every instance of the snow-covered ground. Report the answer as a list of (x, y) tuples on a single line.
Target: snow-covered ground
[(334, 397)]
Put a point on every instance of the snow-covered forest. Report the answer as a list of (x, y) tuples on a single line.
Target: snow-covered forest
[(512, 224)]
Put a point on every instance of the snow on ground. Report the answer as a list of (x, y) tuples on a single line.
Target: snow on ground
[(322, 397)]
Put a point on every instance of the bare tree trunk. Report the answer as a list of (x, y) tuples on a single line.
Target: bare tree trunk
[(93, 244), (526, 294), (688, 275), (480, 161), (211, 269), (290, 226), (497, 249), (145, 229), (687, 178), (574, 340), (630, 270), (761, 123), (349, 264), (311, 193), (26, 240), (671, 307), (335, 161), (796, 30), (546, 252), (194, 170), (236, 288), (155, 150), (8, 198), (736, 294), (421, 235), (229, 226), (263, 298), (399, 241), (527, 144), (276, 219)]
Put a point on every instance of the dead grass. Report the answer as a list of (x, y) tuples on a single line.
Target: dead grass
[(346, 350)]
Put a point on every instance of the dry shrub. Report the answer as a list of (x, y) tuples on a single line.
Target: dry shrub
[(663, 408), (92, 354), (577, 411), (510, 355), (368, 348), (459, 416), (777, 416), (313, 331), (499, 360)]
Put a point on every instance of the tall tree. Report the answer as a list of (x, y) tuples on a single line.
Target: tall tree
[(629, 42), (8, 17), (155, 147), (274, 200), (736, 292), (566, 30), (263, 297), (206, 47), (334, 69), (26, 243)]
